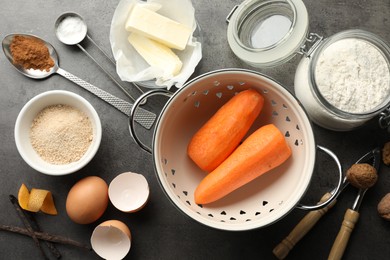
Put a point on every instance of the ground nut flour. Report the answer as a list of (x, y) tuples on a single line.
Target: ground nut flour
[(61, 134)]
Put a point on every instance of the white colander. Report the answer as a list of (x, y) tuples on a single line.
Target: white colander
[(264, 200)]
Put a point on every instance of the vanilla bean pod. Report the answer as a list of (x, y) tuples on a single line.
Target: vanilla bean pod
[(45, 236), (53, 249), (27, 224)]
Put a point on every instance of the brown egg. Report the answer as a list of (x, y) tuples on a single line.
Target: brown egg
[(87, 200)]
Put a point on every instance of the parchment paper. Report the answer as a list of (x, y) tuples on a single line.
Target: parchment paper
[(131, 66)]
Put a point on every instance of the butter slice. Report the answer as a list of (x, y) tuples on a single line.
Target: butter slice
[(156, 54), (157, 27)]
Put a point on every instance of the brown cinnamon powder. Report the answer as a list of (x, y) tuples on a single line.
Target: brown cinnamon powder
[(61, 134), (30, 53)]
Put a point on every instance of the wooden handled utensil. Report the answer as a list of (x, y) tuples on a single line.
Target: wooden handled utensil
[(351, 217), (304, 226), (307, 223)]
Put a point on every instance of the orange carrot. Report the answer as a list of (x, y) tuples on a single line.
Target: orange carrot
[(223, 132), (262, 151)]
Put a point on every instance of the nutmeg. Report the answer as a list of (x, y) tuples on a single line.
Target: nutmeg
[(362, 175), (384, 207)]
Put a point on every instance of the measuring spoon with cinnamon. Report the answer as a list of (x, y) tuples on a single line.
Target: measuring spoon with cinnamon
[(25, 65)]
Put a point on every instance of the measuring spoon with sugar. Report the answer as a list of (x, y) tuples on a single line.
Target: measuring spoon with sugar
[(71, 29)]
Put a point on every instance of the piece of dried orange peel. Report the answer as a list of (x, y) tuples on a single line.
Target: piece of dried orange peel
[(36, 199)]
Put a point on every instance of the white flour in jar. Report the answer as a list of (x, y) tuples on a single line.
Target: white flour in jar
[(353, 76)]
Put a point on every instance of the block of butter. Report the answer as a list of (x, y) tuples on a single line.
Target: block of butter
[(157, 27), (156, 54)]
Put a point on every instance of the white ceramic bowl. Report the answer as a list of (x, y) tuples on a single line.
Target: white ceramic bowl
[(30, 111)]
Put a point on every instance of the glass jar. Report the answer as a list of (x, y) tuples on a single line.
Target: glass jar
[(360, 87), (267, 33)]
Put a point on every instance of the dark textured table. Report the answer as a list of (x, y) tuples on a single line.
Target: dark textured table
[(159, 230)]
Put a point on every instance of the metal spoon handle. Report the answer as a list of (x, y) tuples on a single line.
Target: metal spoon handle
[(144, 117), (105, 71), (102, 51), (112, 61)]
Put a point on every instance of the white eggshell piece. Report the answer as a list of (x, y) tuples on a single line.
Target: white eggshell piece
[(129, 191), (110, 242)]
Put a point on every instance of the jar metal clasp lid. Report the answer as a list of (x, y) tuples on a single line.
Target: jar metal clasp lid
[(311, 44), (384, 119), (231, 13)]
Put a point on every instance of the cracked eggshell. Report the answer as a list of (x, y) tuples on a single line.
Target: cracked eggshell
[(129, 192), (111, 240)]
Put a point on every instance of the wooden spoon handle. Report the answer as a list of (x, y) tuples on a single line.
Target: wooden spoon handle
[(339, 245), (301, 229)]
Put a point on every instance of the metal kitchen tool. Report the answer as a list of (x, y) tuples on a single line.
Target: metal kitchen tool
[(143, 117), (351, 216), (75, 37), (311, 218)]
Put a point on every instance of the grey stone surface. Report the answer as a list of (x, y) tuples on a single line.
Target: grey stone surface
[(160, 231)]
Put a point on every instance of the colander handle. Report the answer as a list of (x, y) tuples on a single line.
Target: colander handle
[(335, 192), (133, 111), (307, 223)]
